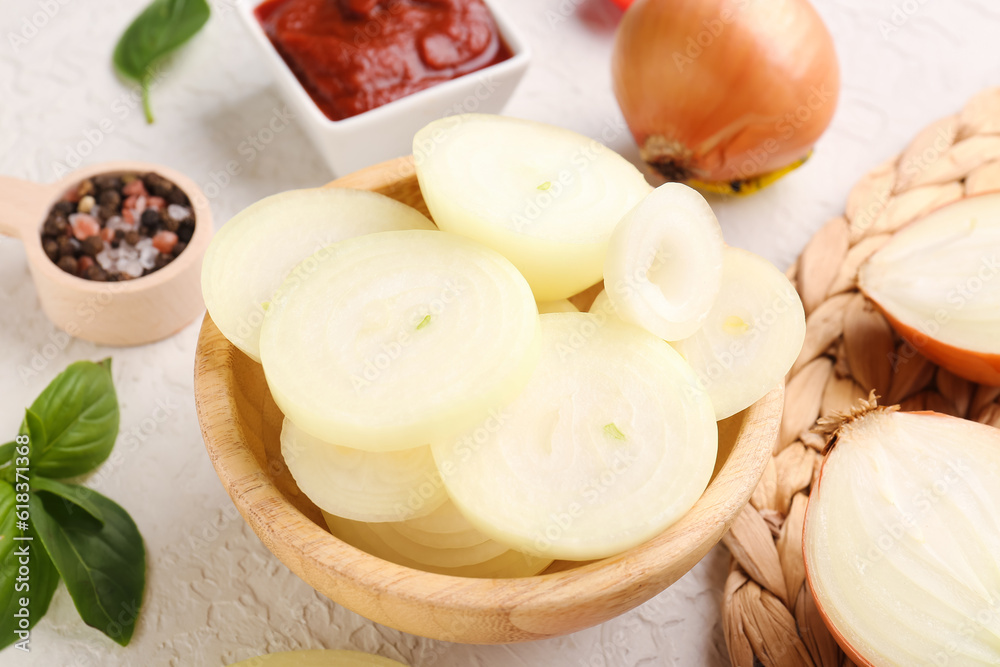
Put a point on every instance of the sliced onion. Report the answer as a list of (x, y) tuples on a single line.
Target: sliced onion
[(362, 485), (319, 658), (557, 306), (485, 559), (611, 442), (252, 254), (664, 262), (938, 283), (392, 340), (443, 528), (544, 197), (750, 338), (902, 539)]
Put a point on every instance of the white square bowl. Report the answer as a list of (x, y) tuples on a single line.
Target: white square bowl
[(387, 131)]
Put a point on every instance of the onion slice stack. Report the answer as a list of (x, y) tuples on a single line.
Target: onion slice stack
[(938, 282), (544, 197), (902, 539), (610, 443), (253, 253), (398, 339), (454, 547), (361, 485)]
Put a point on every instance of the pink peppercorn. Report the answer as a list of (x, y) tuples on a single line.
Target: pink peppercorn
[(165, 241), (84, 226)]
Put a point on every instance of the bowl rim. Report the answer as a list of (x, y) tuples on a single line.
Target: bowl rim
[(518, 61)]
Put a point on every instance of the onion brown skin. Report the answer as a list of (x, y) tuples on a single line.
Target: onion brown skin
[(733, 101), (980, 367)]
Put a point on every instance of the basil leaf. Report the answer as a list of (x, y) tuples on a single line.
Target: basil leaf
[(73, 496), (37, 588), (79, 410), (7, 460), (104, 566), (162, 27), (37, 436)]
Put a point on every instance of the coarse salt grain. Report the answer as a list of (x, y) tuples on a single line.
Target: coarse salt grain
[(178, 212)]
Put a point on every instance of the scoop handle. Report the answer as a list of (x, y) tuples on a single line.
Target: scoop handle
[(21, 205)]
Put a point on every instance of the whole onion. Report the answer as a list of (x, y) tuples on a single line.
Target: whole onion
[(727, 95)]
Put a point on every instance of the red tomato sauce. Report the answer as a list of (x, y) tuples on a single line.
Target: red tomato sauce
[(356, 55)]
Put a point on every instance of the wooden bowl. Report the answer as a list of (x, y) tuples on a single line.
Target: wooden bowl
[(132, 312), (241, 425)]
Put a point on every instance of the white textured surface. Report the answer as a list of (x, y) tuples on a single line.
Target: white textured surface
[(215, 594)]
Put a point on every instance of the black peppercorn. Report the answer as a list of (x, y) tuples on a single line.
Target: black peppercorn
[(68, 264), (66, 248), (161, 261), (111, 198), (92, 245), (150, 219), (95, 272), (186, 230), (55, 225), (51, 247)]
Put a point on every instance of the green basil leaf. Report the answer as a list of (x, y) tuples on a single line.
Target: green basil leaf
[(7, 460), (104, 566), (73, 496), (35, 429), (36, 588), (162, 27), (79, 410)]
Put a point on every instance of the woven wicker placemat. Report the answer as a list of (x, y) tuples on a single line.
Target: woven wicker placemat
[(768, 612)]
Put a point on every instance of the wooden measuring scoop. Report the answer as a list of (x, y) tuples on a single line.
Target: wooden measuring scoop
[(130, 312)]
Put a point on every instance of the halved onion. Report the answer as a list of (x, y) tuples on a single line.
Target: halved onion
[(902, 539), (318, 658), (610, 443), (750, 338), (391, 340), (544, 197), (252, 254), (938, 283), (484, 559), (362, 485), (664, 262), (557, 306)]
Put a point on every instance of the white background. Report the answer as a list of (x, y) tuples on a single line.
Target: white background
[(215, 594)]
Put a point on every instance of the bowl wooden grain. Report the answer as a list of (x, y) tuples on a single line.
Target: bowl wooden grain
[(241, 424)]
